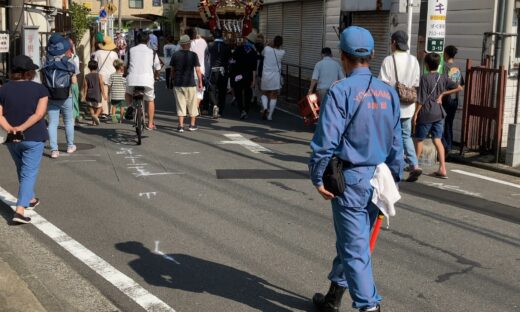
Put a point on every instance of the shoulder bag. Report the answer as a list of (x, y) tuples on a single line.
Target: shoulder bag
[(407, 95), (279, 69), (333, 179)]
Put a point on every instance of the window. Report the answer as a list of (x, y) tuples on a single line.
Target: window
[(156, 3), (135, 4)]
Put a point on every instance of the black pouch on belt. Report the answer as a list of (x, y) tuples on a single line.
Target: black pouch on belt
[(333, 179)]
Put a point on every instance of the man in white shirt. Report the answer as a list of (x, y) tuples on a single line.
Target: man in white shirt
[(142, 63), (325, 73), (200, 47), (408, 72)]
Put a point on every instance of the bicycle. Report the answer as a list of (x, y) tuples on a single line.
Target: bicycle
[(138, 104)]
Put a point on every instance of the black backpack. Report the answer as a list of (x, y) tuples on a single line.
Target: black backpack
[(57, 75)]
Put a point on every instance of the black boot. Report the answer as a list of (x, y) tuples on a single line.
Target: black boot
[(331, 301)]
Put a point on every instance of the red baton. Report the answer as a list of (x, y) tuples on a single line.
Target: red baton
[(375, 231)]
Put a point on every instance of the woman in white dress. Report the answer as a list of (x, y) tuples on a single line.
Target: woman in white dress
[(271, 77)]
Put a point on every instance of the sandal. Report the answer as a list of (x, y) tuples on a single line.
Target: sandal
[(33, 204)]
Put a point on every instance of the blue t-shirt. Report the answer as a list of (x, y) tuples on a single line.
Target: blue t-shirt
[(19, 100)]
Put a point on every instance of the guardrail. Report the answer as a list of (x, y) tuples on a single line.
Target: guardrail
[(297, 80)]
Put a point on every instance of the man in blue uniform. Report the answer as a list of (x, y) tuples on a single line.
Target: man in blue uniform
[(371, 137)]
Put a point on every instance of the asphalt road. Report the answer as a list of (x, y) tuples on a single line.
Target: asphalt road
[(225, 219)]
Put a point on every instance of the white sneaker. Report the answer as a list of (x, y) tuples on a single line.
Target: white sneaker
[(71, 149), (55, 154), (215, 111)]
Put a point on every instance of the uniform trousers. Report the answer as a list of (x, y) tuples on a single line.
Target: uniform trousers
[(353, 222)]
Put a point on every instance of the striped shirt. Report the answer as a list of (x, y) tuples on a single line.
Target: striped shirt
[(117, 86)]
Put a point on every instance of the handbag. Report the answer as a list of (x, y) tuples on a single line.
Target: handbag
[(333, 179), (407, 95), (15, 137)]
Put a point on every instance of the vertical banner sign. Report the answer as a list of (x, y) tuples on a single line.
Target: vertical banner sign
[(436, 25), (4, 43), (31, 45)]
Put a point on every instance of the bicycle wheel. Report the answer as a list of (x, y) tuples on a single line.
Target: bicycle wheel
[(139, 123)]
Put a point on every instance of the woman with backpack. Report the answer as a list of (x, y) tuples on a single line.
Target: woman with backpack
[(58, 75)]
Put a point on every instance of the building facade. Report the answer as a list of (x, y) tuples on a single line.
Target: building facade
[(309, 25)]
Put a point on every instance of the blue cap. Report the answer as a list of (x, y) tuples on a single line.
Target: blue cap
[(356, 41)]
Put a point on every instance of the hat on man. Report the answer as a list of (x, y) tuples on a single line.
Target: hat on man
[(185, 39), (401, 40), (22, 64), (107, 44), (356, 41), (252, 37), (57, 45)]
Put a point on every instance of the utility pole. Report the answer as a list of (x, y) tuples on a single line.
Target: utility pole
[(119, 8), (410, 16)]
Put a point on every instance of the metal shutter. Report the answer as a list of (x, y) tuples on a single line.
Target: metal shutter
[(274, 20), (292, 32), (263, 22), (312, 38), (378, 23)]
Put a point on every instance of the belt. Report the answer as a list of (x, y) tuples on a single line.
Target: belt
[(217, 69), (346, 164)]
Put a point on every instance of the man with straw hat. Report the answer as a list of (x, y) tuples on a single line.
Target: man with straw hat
[(185, 64), (105, 57)]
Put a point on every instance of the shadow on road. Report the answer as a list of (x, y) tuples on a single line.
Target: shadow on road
[(198, 275)]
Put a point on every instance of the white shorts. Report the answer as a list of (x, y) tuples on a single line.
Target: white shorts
[(149, 94)]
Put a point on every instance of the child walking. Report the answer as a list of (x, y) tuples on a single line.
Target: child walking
[(93, 91), (117, 89), (429, 114)]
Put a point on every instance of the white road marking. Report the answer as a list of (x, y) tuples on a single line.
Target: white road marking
[(160, 253), (125, 284), (485, 178), (454, 188), (144, 173), (140, 169), (240, 140), (187, 153), (79, 155), (148, 194)]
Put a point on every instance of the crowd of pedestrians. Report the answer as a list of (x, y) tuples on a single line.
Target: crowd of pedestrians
[(369, 127)]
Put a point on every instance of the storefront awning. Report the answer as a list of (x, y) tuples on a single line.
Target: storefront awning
[(151, 17)]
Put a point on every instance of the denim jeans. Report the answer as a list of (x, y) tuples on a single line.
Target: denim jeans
[(409, 149), (53, 109), (27, 156)]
